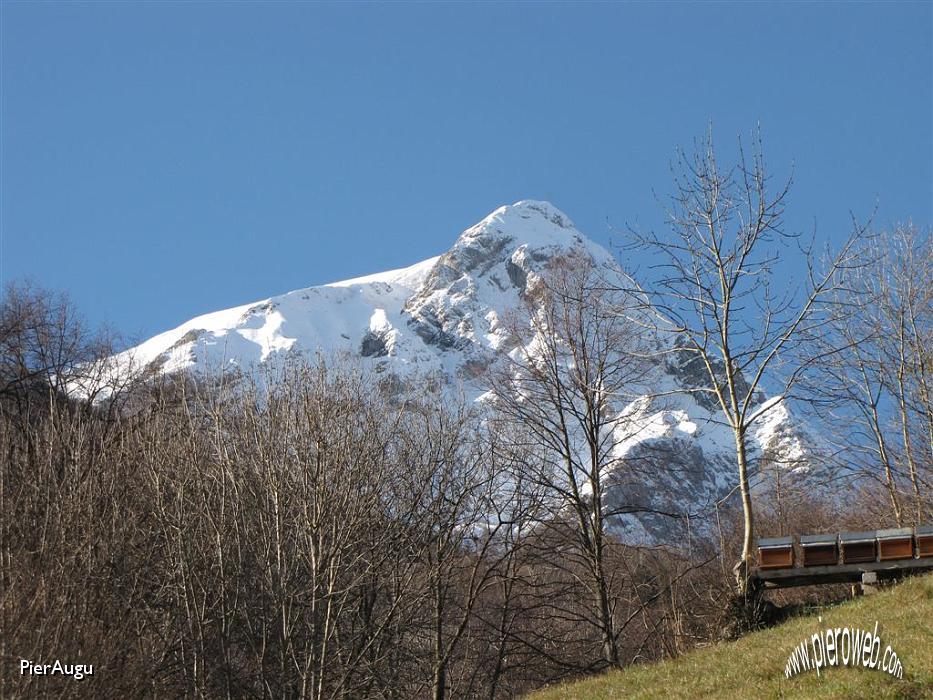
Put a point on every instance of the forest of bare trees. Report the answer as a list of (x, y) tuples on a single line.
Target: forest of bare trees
[(303, 532)]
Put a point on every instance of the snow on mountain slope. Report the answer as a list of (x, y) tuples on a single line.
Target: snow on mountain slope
[(333, 316), (446, 316), (408, 317)]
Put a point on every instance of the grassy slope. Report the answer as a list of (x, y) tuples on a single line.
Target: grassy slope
[(753, 667)]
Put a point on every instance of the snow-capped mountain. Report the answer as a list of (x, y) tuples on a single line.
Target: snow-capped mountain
[(446, 316), (434, 315)]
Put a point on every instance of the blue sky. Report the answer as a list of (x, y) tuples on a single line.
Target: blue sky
[(168, 159)]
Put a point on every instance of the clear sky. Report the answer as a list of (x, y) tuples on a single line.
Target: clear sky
[(168, 159)]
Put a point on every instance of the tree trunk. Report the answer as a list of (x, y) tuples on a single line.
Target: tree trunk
[(440, 681), (610, 649), (748, 519)]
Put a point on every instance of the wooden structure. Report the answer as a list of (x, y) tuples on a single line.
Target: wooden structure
[(851, 557), (857, 547), (819, 550), (775, 552), (841, 573), (924, 541), (897, 543)]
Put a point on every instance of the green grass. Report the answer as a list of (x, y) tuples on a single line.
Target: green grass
[(753, 666)]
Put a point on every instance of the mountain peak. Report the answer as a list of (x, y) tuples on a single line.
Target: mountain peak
[(527, 222), (530, 209), (478, 282)]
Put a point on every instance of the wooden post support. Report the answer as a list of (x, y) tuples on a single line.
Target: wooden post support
[(869, 582)]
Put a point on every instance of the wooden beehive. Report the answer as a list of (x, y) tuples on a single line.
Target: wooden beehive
[(857, 547), (776, 553), (897, 543), (819, 550), (925, 541)]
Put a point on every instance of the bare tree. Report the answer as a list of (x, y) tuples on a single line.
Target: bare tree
[(565, 387), (458, 538), (906, 281), (880, 384), (715, 294)]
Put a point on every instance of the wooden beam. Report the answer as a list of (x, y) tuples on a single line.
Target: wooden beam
[(839, 573)]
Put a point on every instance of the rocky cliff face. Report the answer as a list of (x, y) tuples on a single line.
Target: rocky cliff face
[(446, 317)]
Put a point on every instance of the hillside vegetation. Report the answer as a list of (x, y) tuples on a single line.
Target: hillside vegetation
[(753, 667)]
